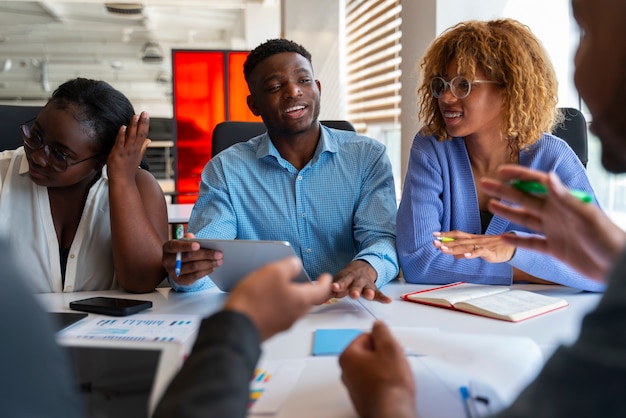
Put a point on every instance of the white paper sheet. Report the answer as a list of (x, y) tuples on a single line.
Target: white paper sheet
[(271, 385), (180, 329), (498, 366)]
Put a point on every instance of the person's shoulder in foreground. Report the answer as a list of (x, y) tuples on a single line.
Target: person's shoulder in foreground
[(584, 379), (36, 376), (587, 378)]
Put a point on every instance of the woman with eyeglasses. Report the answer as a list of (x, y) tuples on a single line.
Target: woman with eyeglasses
[(80, 212), (488, 97)]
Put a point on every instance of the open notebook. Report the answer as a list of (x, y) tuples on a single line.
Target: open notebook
[(498, 302)]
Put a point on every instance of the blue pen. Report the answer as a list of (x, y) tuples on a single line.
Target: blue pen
[(468, 403), (179, 256)]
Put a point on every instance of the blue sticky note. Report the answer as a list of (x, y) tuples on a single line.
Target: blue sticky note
[(332, 342)]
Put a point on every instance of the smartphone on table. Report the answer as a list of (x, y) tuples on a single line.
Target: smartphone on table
[(110, 306)]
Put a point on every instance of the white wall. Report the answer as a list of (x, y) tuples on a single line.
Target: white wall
[(315, 25), (550, 21), (262, 23)]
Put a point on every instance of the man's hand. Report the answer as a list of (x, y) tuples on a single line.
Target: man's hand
[(577, 233), (358, 279), (272, 300), (378, 376), (196, 262)]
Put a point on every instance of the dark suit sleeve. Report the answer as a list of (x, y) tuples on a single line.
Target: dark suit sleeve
[(587, 379), (215, 379)]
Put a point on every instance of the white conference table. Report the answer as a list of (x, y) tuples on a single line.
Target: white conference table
[(319, 391)]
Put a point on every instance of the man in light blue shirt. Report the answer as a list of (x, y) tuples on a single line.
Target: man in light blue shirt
[(330, 193)]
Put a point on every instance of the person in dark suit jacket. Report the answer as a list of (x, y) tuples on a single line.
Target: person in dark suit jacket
[(587, 378)]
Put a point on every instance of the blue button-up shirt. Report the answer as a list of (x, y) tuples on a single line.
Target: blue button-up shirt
[(340, 207)]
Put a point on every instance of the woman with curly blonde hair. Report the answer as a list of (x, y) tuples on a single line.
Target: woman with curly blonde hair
[(488, 97)]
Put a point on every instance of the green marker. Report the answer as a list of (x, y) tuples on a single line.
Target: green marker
[(445, 239), (538, 188)]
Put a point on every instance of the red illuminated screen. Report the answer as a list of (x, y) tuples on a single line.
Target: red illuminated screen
[(209, 87)]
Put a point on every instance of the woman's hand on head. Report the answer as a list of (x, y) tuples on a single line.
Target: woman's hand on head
[(130, 145)]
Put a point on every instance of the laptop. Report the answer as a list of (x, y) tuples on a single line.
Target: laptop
[(242, 257), (122, 378), (62, 320)]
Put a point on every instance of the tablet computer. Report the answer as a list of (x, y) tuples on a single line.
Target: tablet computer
[(242, 257)]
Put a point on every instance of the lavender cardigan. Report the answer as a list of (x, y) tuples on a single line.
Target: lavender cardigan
[(439, 195)]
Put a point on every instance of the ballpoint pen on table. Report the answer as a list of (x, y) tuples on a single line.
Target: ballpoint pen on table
[(468, 403), (179, 256), (538, 188)]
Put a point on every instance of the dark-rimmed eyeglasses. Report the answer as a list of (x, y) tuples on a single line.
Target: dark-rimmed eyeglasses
[(58, 160), (460, 87)]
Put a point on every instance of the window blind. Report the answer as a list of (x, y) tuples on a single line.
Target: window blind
[(373, 62)]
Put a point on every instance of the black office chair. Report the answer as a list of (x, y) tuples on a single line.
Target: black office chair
[(11, 117), (574, 131), (230, 132)]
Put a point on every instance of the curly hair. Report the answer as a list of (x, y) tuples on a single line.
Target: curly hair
[(509, 53), (269, 48)]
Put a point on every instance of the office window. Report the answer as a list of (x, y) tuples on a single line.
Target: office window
[(373, 61), (373, 57)]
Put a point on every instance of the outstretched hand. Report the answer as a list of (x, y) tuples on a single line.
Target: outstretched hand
[(272, 300), (577, 233), (358, 279)]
